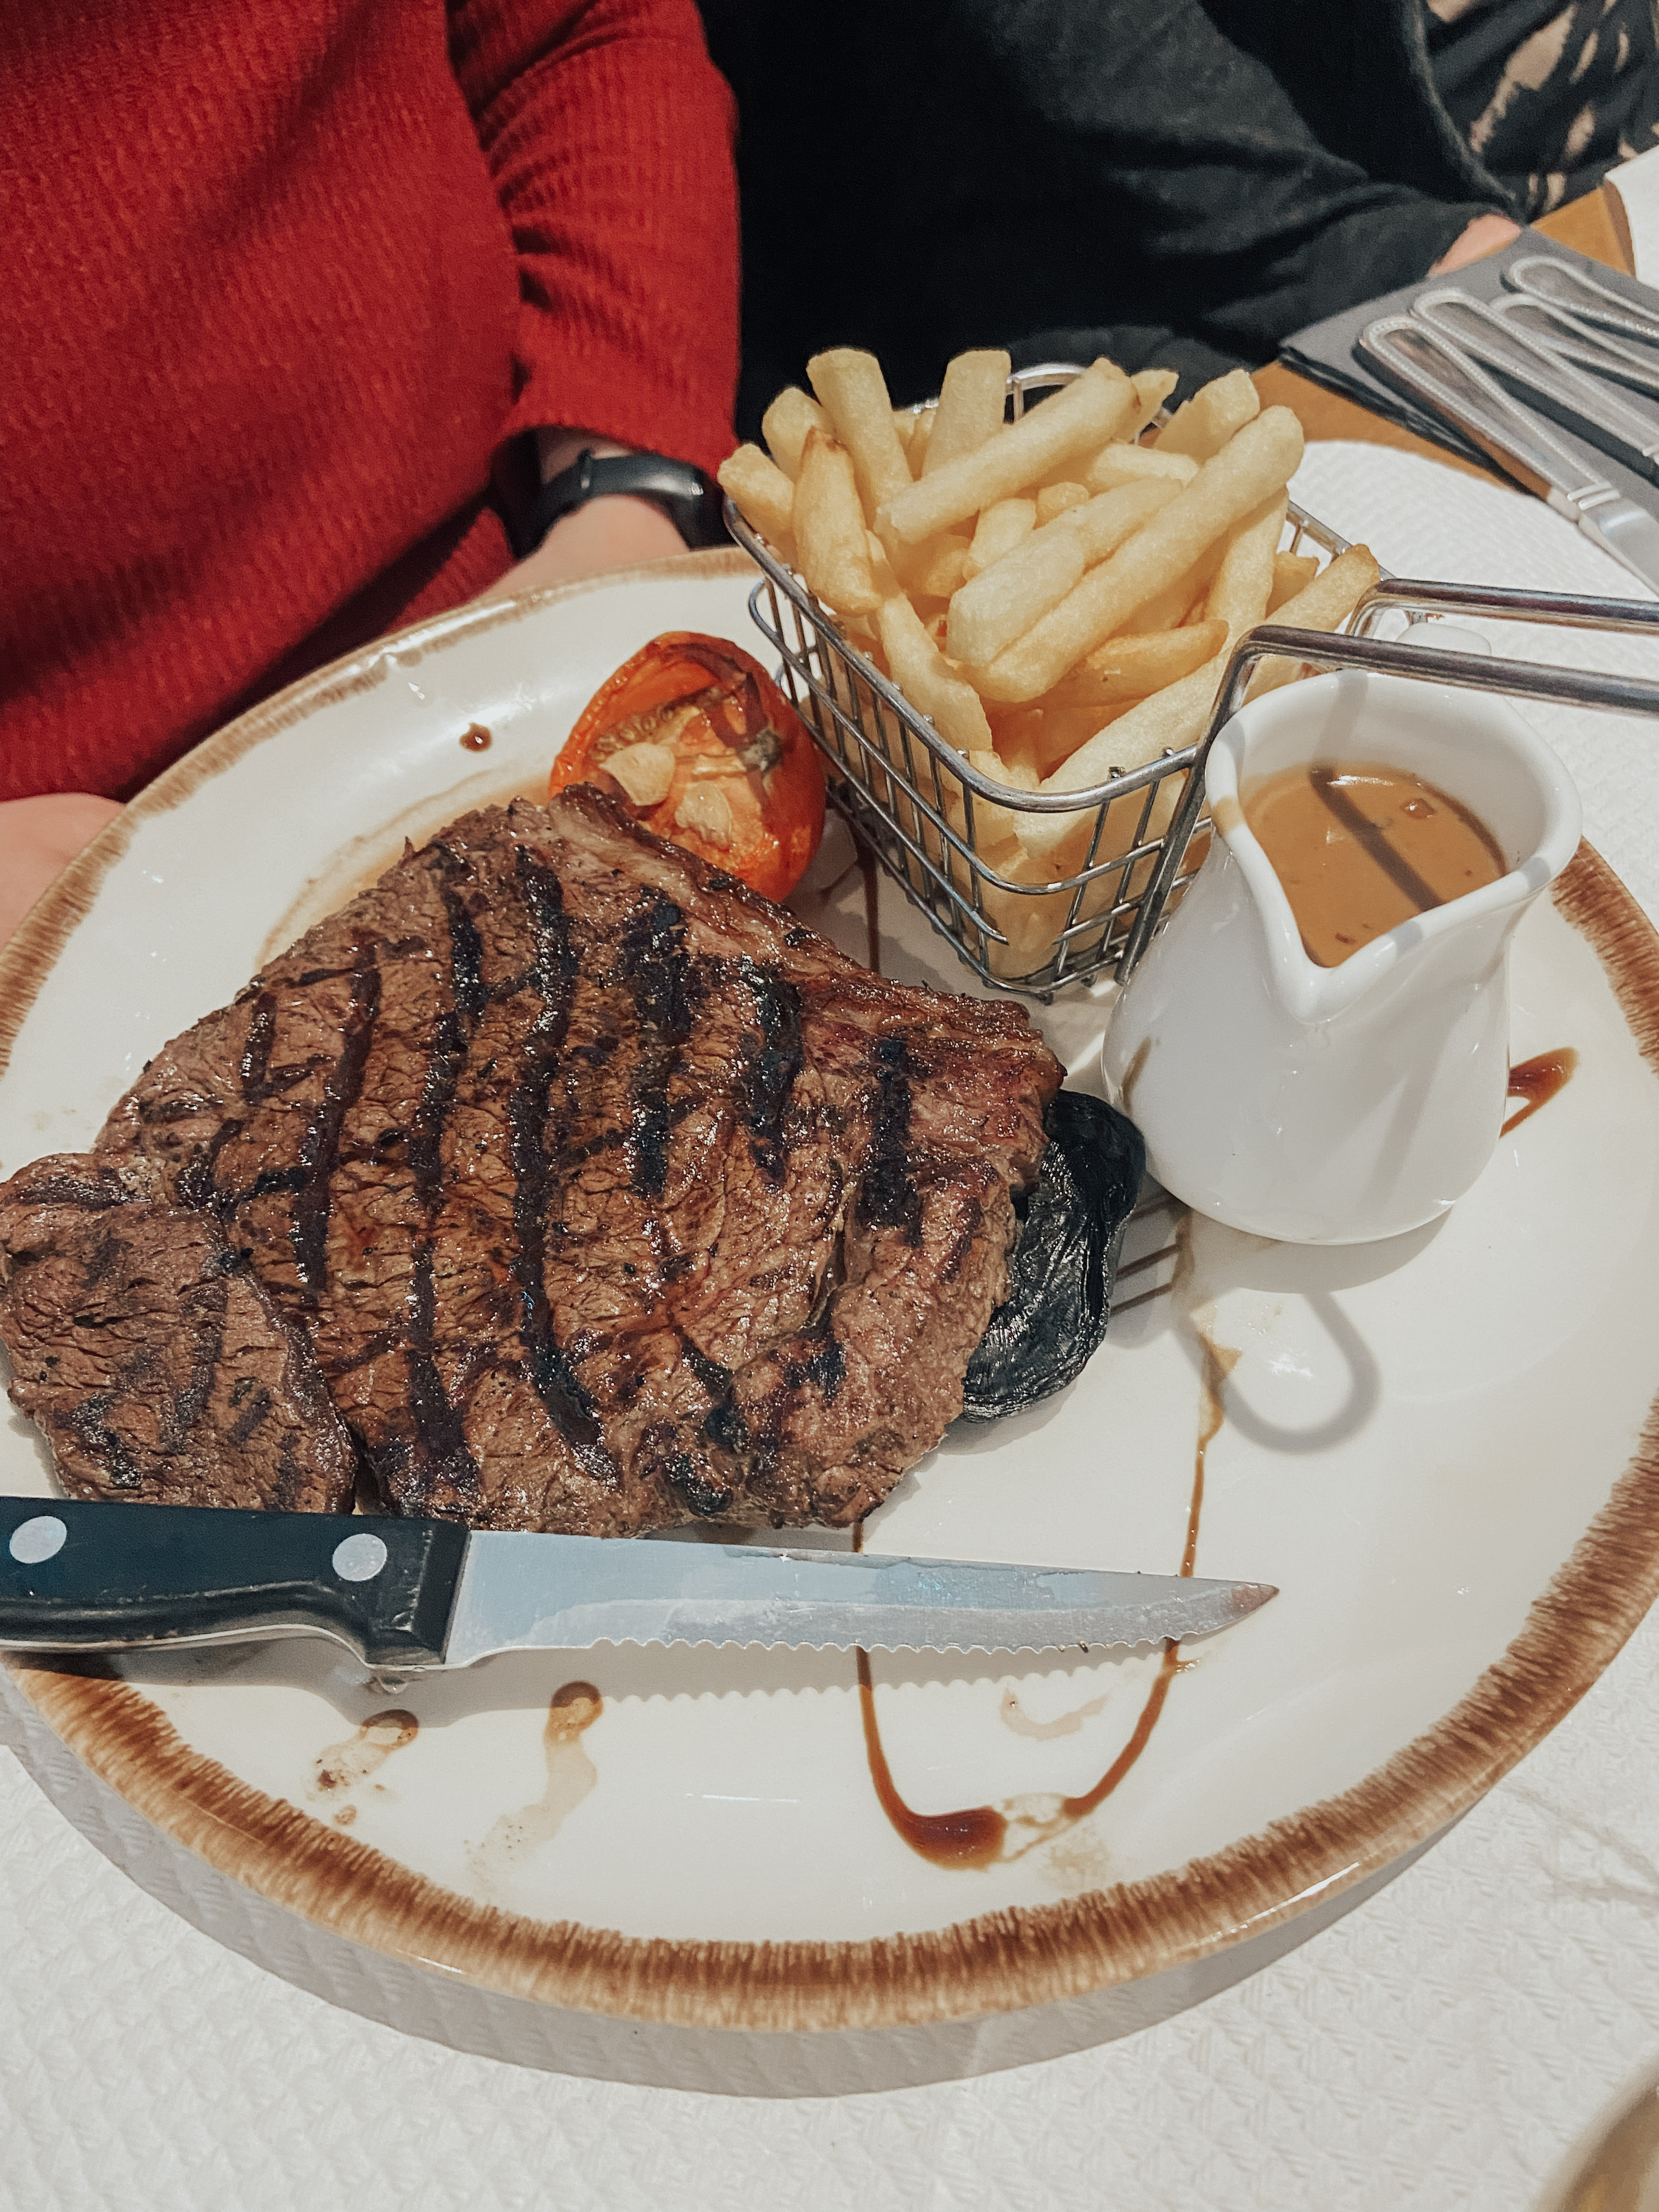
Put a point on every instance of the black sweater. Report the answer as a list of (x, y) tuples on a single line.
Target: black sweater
[(1182, 182)]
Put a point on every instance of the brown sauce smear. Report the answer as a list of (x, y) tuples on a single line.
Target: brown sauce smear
[(345, 1765), (476, 739), (1219, 1361), (970, 1838), (1074, 1808), (975, 1835), (1537, 1081), (1359, 849)]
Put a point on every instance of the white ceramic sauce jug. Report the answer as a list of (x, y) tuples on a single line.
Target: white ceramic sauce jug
[(1337, 1105)]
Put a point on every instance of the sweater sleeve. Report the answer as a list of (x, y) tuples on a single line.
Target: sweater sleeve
[(1268, 160), (1271, 162), (608, 134)]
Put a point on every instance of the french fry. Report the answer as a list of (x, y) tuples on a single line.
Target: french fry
[(833, 552), (1175, 716), (1325, 604), (947, 569), (1116, 465), (1292, 572), (971, 407), (1211, 417), (1153, 387), (1063, 730), (1055, 499), (1057, 599), (927, 681), (1127, 667), (994, 825), (1238, 596), (1029, 919), (854, 394), (1017, 731), (763, 495), (1102, 523), (784, 424), (1165, 722), (1002, 602), (1254, 465), (881, 568), (1169, 608), (1077, 421), (999, 529)]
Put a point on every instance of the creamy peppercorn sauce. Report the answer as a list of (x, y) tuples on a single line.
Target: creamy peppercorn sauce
[(1360, 848)]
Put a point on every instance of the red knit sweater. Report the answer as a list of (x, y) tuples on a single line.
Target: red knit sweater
[(281, 288)]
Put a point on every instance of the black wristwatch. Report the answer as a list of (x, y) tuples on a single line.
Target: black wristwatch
[(691, 499)]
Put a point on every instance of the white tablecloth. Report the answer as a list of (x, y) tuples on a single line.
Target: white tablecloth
[(1444, 2045)]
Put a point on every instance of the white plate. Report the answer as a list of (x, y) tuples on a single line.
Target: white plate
[(1435, 1447)]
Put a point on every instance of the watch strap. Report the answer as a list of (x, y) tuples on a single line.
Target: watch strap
[(691, 499)]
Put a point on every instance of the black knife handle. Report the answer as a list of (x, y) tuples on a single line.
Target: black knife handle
[(125, 1576)]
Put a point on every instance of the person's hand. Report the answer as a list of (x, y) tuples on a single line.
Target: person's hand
[(612, 533), (1487, 234), (39, 838)]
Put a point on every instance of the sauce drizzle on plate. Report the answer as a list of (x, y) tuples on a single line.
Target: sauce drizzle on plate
[(1536, 1081)]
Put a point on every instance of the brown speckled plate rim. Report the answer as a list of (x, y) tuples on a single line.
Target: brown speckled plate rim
[(1002, 1961)]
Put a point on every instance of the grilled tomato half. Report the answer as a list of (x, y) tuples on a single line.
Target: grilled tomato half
[(708, 752)]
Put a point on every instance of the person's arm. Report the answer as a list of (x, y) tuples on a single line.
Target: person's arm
[(608, 133), (1274, 161)]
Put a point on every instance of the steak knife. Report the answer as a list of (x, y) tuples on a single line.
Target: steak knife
[(1564, 284), (1578, 401), (1576, 343), (1427, 366), (408, 1596)]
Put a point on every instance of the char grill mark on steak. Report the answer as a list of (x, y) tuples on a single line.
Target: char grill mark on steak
[(553, 974), (319, 1147), (436, 1457), (653, 963), (888, 1197), (771, 1065)]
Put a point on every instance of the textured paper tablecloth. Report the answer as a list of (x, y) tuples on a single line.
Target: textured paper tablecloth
[(1444, 2045)]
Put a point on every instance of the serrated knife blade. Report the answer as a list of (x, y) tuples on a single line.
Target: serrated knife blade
[(751, 1594), (410, 1596)]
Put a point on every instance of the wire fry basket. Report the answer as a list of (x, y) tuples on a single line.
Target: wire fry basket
[(917, 801)]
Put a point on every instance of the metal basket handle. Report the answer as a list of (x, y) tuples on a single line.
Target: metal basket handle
[(1463, 671)]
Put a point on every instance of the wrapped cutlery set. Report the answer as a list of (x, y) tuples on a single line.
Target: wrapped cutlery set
[(1535, 360)]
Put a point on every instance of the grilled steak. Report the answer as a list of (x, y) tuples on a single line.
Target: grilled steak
[(158, 1366), (605, 1195)]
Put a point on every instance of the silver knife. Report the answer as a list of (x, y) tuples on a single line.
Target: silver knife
[(1571, 340), (408, 1596), (1564, 284), (1571, 397), (1428, 366)]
